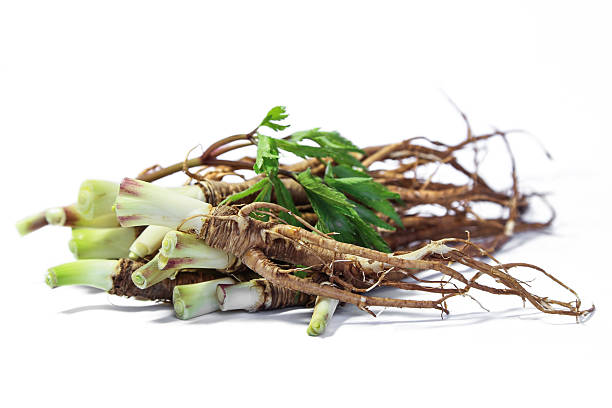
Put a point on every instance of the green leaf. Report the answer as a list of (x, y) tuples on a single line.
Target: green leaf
[(332, 219), (300, 274), (367, 192), (267, 156), (265, 195), (326, 139), (337, 214), (245, 193), (283, 197), (368, 235), (314, 185), (275, 114), (343, 171), (340, 156), (370, 217)]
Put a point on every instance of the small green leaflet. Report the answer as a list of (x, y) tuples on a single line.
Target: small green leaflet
[(275, 114), (339, 155), (267, 155), (265, 195), (283, 197), (343, 171), (370, 217), (326, 139), (245, 193), (337, 214), (365, 191)]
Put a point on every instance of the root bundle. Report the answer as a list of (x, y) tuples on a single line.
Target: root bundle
[(274, 230)]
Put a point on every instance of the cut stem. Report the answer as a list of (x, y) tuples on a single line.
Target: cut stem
[(97, 273), (31, 223), (182, 250), (198, 298), (101, 243), (193, 191), (259, 294), (247, 296), (96, 198), (69, 216), (323, 311), (115, 277), (142, 203), (149, 241), (150, 274)]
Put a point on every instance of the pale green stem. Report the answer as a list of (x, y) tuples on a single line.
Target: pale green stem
[(198, 298), (148, 242), (182, 250), (31, 223), (192, 191), (142, 203), (96, 198), (97, 273), (323, 311), (248, 296), (150, 274), (101, 243), (69, 216)]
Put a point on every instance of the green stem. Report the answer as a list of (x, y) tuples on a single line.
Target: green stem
[(150, 274), (101, 243), (181, 250), (96, 198), (148, 242), (141, 203), (97, 273), (323, 311), (192, 190), (69, 216), (198, 298), (31, 223)]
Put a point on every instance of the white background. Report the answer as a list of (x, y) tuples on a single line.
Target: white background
[(105, 89)]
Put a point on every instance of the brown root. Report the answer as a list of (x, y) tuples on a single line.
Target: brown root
[(350, 269), (347, 272), (257, 260), (123, 285)]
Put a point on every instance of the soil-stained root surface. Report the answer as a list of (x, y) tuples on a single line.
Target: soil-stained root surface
[(123, 285), (347, 272)]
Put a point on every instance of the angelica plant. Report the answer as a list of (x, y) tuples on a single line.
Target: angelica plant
[(323, 228)]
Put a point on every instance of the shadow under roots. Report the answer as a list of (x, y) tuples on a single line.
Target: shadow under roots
[(346, 315), (115, 308)]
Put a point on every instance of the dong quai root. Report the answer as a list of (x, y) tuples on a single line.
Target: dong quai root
[(319, 232)]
